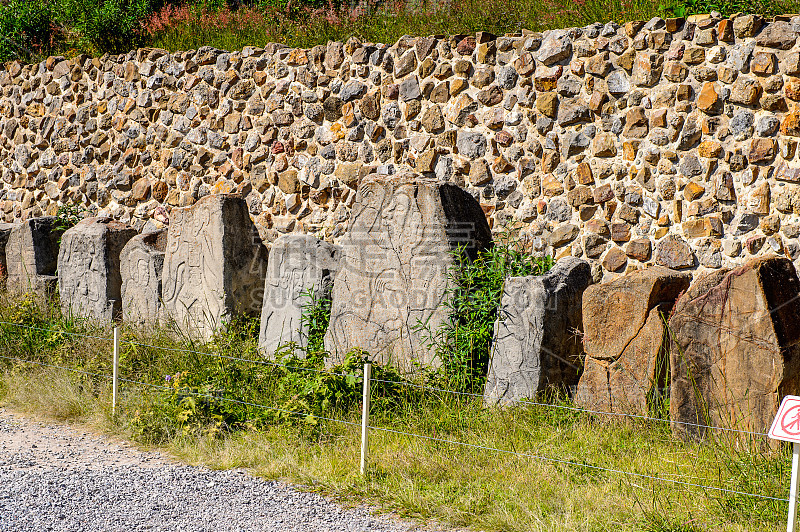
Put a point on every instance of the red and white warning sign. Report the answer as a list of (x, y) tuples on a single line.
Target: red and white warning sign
[(786, 426)]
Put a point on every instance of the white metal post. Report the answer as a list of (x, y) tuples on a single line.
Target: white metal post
[(365, 417), (115, 372), (790, 523)]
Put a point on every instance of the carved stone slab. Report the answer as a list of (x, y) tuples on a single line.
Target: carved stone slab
[(626, 339), (32, 256), (735, 347), (297, 263), (537, 342), (5, 233), (395, 257), (214, 266), (141, 264), (89, 281)]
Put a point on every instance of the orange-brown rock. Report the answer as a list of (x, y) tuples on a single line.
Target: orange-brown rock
[(625, 339), (709, 101), (735, 348)]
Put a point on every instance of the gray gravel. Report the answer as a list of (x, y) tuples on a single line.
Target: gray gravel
[(60, 478)]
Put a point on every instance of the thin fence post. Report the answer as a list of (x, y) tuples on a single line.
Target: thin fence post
[(115, 372), (365, 417), (792, 520)]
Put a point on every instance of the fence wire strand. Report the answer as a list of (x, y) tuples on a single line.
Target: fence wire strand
[(58, 367), (419, 386), (578, 464), (574, 408), (179, 350), (81, 335), (237, 401), (237, 359)]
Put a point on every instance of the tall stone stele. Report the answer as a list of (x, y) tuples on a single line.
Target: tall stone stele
[(5, 233), (32, 256), (89, 280), (141, 265), (396, 254), (214, 265), (626, 340), (536, 344), (300, 273), (735, 348)]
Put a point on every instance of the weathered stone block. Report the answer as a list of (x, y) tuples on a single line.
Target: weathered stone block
[(536, 345), (89, 279), (297, 264), (5, 233), (625, 338), (141, 266), (32, 255), (396, 255), (735, 348), (214, 266)]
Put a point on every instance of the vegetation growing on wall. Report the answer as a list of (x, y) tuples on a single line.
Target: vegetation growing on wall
[(30, 30)]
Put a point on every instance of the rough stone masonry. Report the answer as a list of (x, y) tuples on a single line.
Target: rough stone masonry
[(667, 141)]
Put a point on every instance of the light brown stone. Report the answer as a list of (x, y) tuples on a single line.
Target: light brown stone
[(625, 339), (734, 342)]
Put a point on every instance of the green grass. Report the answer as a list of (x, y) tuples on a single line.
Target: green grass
[(417, 478)]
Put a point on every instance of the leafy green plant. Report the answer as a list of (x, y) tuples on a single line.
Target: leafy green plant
[(68, 217), (463, 342), (316, 314), (27, 29)]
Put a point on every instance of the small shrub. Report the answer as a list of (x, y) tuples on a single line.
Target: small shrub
[(27, 29), (107, 25), (463, 343), (315, 318)]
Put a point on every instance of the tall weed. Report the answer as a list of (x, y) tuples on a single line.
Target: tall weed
[(463, 342)]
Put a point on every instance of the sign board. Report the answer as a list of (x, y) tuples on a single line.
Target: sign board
[(786, 426)]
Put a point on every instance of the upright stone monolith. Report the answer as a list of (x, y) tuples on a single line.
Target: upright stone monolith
[(89, 280), (141, 265), (395, 259), (536, 345), (214, 266), (300, 272), (5, 233), (32, 256), (735, 348), (626, 340)]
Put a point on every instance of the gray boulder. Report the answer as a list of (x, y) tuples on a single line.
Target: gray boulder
[(32, 256), (89, 281), (396, 255), (536, 343), (141, 265), (214, 265), (297, 263)]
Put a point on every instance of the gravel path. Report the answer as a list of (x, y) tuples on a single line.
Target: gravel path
[(55, 477)]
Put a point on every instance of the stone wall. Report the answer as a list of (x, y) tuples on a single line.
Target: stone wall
[(668, 141)]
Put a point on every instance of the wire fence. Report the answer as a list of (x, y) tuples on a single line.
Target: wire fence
[(365, 418), (576, 409)]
